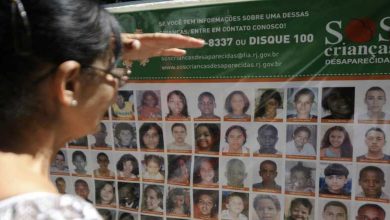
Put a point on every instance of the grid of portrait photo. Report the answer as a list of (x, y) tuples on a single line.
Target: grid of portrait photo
[(258, 151)]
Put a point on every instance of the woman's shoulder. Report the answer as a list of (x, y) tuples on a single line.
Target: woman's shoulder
[(42, 205)]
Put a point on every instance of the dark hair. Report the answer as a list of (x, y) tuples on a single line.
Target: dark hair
[(105, 212), (300, 129), (337, 204), (228, 105), (301, 201), (336, 169), (177, 192), (304, 91), (375, 88), (242, 196), (102, 154), (125, 94), (274, 200), (346, 146), (372, 206), (347, 92), (128, 157), (269, 162), (178, 125), (78, 153), (151, 157), (99, 185), (267, 95), (58, 31), (61, 153), (214, 131), (149, 93), (267, 127), (174, 165), (377, 130), (145, 128), (238, 127), (204, 94), (133, 199), (377, 170), (179, 93), (214, 163)]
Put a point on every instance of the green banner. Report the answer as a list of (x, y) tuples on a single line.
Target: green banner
[(278, 39)]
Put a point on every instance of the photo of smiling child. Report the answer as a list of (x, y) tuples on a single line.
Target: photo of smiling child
[(153, 199), (335, 180), (372, 184), (302, 104), (336, 143), (206, 172), (234, 206), (127, 167), (235, 174), (153, 168), (207, 137), (205, 204)]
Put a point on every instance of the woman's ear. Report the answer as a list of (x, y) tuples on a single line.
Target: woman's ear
[(66, 83)]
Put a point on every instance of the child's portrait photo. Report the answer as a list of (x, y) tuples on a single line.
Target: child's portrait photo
[(234, 205), (269, 105), (375, 102), (177, 106), (334, 210), (206, 172), (127, 167), (300, 177), (235, 140), (299, 209), (374, 145), (149, 105), (266, 207), (104, 167), (206, 203), (207, 106), (301, 141), (338, 104), (153, 199), (235, 174), (207, 138), (125, 137), (179, 170), (129, 196), (80, 165), (123, 108), (335, 180), (236, 106), (179, 202), (269, 141), (102, 139), (372, 184), (178, 137), (302, 104), (266, 175), (153, 168), (151, 137), (336, 143)]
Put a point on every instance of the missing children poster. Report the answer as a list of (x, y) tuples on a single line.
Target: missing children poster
[(284, 114)]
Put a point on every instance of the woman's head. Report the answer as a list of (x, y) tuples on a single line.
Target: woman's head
[(51, 46), (237, 102), (235, 136), (128, 163), (270, 100), (149, 98), (338, 137), (105, 192), (151, 136), (267, 207), (177, 104), (125, 134), (207, 137), (153, 198)]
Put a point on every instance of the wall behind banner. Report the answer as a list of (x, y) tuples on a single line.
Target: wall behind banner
[(282, 115)]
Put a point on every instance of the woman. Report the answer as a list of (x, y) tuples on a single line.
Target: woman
[(336, 143), (237, 104), (56, 78), (269, 103)]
